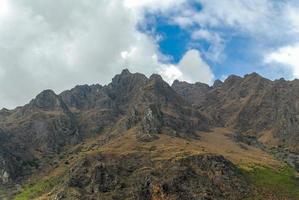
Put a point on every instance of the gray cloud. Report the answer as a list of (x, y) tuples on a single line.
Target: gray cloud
[(57, 45)]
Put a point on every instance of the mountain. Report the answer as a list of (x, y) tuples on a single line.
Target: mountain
[(253, 106), (140, 138)]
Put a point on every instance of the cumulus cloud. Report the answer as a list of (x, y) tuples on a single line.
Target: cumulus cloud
[(272, 25), (191, 68), (217, 22), (5, 9), (152, 4), (288, 57), (194, 68), (215, 51), (254, 16), (59, 44), (56, 45), (291, 15), (285, 56)]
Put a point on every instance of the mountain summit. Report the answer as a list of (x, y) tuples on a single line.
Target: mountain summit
[(140, 138)]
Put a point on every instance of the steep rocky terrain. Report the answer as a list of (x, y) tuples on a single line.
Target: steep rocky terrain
[(140, 138), (253, 105)]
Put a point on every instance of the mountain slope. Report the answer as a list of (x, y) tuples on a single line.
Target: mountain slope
[(255, 106), (139, 138)]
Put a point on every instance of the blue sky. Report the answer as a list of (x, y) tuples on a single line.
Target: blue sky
[(243, 51), (59, 44)]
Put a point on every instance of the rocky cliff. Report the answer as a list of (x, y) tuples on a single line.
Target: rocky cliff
[(140, 138)]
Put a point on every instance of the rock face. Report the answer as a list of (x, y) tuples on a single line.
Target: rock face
[(191, 92), (51, 122), (42, 127), (151, 123), (4, 174), (264, 113), (193, 177), (253, 105)]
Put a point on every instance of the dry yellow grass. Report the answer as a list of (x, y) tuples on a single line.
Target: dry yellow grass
[(219, 141), (267, 138)]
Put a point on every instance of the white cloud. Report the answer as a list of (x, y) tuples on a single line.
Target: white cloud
[(5, 9), (261, 20), (152, 4), (170, 73), (2, 72), (194, 68), (59, 44), (287, 56), (266, 23), (191, 68), (248, 15), (291, 15), (254, 16), (47, 44), (183, 21), (215, 51)]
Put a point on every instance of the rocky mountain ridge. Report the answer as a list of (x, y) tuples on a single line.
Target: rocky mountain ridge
[(263, 114), (255, 106)]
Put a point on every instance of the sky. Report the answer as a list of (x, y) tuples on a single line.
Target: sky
[(59, 44)]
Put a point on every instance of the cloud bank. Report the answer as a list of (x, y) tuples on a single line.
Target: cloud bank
[(57, 45)]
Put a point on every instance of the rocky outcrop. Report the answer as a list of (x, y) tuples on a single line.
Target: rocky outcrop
[(4, 174), (151, 124), (50, 122), (191, 92), (193, 177), (252, 104), (42, 127), (85, 97), (152, 121), (49, 101), (260, 110), (177, 115)]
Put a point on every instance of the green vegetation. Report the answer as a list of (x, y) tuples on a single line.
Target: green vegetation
[(34, 190), (3, 193), (280, 183)]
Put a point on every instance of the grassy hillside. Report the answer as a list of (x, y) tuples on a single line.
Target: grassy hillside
[(268, 178)]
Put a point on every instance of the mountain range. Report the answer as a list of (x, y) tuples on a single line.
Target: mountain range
[(141, 138)]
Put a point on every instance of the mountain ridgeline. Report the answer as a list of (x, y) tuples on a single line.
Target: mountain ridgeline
[(140, 138)]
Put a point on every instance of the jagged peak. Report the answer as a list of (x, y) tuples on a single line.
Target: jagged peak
[(201, 84), (4, 110), (217, 83), (48, 92), (125, 71), (178, 83), (48, 100), (46, 95), (281, 80), (175, 82), (125, 75), (254, 76), (85, 88), (157, 80), (156, 77), (82, 88), (232, 78)]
